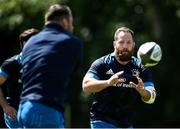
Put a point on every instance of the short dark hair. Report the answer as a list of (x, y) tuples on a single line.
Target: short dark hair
[(25, 35), (56, 12)]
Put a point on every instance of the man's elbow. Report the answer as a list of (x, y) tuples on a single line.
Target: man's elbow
[(2, 80), (85, 87)]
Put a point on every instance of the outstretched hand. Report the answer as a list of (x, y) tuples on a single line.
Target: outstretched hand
[(10, 111), (115, 79), (139, 86)]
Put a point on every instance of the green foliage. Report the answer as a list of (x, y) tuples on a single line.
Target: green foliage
[(95, 23), (15, 14)]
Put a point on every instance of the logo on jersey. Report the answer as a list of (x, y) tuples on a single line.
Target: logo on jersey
[(123, 85), (110, 72), (135, 72)]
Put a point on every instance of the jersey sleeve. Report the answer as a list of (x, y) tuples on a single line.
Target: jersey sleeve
[(95, 69), (3, 74), (147, 77), (8, 66)]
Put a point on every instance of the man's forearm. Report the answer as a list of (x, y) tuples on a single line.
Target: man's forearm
[(148, 96), (3, 101), (93, 85)]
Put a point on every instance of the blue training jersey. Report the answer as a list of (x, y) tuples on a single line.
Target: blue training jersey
[(11, 71), (49, 59), (115, 104)]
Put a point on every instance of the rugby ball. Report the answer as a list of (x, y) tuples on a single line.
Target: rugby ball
[(149, 54)]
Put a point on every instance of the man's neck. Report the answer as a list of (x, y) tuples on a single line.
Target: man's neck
[(122, 62)]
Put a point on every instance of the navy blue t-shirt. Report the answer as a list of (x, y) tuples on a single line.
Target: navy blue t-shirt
[(115, 104), (11, 70), (49, 58)]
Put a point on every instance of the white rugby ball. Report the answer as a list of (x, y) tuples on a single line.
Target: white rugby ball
[(149, 54)]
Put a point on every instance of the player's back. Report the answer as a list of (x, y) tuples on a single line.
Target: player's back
[(48, 64)]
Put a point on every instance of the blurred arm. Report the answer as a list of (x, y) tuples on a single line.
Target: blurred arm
[(3, 102), (9, 110), (2, 80)]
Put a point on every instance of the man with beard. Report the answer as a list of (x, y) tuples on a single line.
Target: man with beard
[(117, 81)]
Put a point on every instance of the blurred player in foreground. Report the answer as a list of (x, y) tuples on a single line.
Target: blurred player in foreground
[(10, 75), (117, 80), (48, 61)]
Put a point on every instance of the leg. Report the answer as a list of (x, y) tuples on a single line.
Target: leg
[(101, 124), (36, 115)]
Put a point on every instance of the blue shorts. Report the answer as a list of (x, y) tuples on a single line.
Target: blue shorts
[(35, 115), (10, 123), (103, 124)]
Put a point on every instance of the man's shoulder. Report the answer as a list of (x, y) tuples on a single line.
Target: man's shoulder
[(11, 64), (69, 36), (137, 63), (106, 59), (12, 60)]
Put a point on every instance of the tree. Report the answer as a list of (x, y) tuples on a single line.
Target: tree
[(95, 22)]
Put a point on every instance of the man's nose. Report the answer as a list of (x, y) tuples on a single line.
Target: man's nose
[(125, 45)]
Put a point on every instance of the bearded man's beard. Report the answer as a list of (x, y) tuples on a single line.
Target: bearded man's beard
[(124, 55)]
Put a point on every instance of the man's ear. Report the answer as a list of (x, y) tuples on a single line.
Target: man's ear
[(114, 43), (134, 45), (64, 23)]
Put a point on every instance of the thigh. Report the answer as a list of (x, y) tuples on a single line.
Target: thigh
[(101, 124), (35, 115)]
